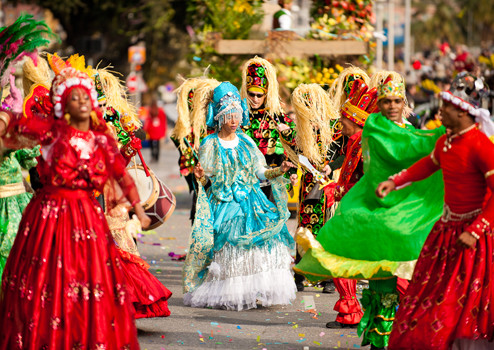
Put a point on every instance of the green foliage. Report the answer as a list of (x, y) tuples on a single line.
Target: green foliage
[(216, 19), (233, 18)]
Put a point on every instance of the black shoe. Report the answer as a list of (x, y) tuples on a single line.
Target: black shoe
[(300, 286), (329, 288), (338, 325)]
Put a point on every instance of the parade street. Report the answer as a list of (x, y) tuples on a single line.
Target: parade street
[(297, 326)]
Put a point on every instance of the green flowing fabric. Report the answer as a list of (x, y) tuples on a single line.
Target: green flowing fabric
[(374, 238)]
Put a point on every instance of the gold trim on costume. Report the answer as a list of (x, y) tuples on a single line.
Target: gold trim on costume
[(12, 189), (489, 173), (375, 330), (434, 160)]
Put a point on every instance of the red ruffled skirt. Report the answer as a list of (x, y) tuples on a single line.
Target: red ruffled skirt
[(348, 306), (63, 286), (148, 295), (451, 293)]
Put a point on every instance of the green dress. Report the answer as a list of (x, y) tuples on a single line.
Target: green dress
[(11, 207), (374, 238)]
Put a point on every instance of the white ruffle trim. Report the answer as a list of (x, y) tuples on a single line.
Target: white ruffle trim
[(239, 278)]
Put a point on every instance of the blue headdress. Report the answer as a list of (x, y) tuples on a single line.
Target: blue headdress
[(226, 102)]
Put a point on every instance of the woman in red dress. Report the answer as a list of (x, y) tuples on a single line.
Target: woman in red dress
[(449, 301), (63, 286)]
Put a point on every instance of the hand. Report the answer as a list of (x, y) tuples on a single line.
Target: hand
[(384, 188), (283, 127), (198, 171), (286, 165), (4, 117), (327, 170), (294, 179), (141, 215), (467, 240)]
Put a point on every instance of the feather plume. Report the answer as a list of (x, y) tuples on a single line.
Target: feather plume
[(24, 36)]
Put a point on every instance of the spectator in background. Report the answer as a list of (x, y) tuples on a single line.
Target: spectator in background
[(155, 126), (282, 20)]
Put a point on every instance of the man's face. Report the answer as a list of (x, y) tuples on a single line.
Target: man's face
[(349, 128), (256, 99), (450, 115), (392, 108)]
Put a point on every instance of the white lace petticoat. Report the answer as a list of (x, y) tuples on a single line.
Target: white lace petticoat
[(239, 278)]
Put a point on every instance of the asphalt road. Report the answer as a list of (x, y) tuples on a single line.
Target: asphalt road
[(287, 327)]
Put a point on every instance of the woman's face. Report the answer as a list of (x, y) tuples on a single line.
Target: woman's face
[(78, 105), (231, 124)]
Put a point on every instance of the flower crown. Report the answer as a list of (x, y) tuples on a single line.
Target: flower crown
[(64, 82)]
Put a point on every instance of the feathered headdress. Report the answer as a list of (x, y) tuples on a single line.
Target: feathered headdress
[(314, 110), (21, 38), (260, 73), (342, 86)]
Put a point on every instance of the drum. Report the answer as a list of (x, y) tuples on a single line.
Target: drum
[(156, 198)]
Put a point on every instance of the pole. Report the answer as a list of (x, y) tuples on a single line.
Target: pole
[(391, 36), (379, 30), (408, 53)]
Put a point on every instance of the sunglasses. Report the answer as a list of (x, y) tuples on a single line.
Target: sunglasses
[(253, 95)]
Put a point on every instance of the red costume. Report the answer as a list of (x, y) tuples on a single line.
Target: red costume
[(348, 307), (451, 292), (65, 284)]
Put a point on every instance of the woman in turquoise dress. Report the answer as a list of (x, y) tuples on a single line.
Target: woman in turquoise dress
[(239, 248), (13, 196)]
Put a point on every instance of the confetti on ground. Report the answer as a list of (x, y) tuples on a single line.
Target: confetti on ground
[(214, 323), (321, 334), (238, 327), (258, 338)]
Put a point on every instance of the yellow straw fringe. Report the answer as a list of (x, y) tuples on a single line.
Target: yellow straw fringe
[(337, 90), (314, 111), (272, 103), (34, 75), (195, 117), (116, 94)]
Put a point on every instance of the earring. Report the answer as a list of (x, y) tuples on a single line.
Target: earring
[(94, 118), (67, 117)]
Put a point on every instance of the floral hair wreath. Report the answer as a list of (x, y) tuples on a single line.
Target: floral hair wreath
[(460, 103), (68, 79)]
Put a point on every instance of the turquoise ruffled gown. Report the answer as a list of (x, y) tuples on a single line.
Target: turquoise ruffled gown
[(240, 246)]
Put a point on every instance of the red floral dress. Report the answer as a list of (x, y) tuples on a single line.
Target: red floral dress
[(451, 293), (63, 286)]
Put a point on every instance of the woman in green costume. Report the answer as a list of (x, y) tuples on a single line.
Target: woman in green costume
[(13, 196), (376, 239)]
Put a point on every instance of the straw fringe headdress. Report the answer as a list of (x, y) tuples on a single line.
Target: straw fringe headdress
[(337, 90), (36, 74), (380, 77), (193, 117), (314, 110), (116, 94), (272, 104)]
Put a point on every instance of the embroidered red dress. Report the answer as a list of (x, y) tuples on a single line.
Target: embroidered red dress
[(451, 293), (63, 286)]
